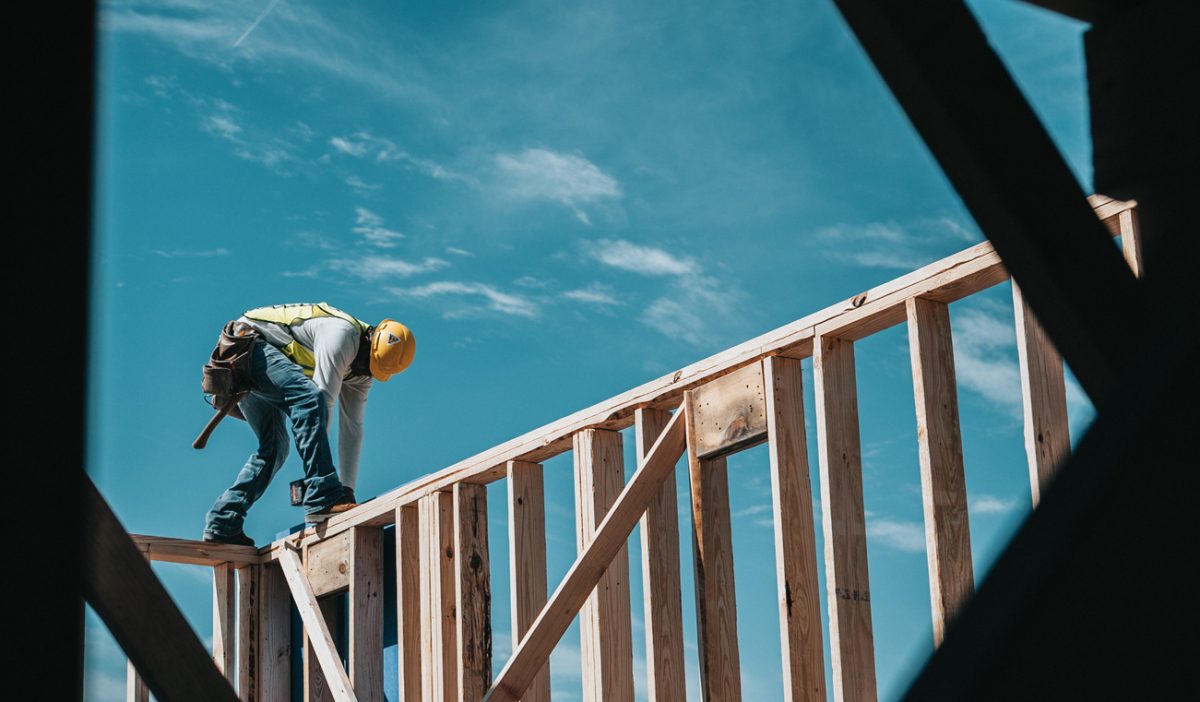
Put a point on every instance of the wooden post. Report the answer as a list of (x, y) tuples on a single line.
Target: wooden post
[(1131, 240), (795, 535), (274, 679), (408, 602), (604, 622), (1043, 398), (439, 630), (320, 642), (844, 525), (224, 610), (943, 485), (660, 574), (527, 559), (366, 614), (135, 687), (317, 687), (247, 632), (712, 541), (473, 591)]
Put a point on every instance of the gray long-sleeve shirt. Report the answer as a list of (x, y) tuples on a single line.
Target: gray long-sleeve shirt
[(334, 343)]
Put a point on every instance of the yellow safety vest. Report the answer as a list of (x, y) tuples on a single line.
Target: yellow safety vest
[(287, 315)]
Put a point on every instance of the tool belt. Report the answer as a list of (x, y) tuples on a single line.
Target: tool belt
[(227, 372)]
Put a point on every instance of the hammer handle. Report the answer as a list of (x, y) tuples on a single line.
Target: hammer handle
[(202, 440)]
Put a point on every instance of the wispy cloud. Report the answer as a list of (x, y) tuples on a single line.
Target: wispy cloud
[(255, 24), (369, 226), (646, 260), (892, 246), (985, 356), (372, 268), (990, 504), (902, 536), (222, 121), (362, 185), (594, 294), (568, 179), (201, 253), (454, 250), (364, 145), (494, 300)]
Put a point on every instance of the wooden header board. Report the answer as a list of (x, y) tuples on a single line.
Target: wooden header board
[(730, 412)]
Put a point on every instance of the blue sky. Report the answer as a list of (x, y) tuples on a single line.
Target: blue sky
[(562, 200)]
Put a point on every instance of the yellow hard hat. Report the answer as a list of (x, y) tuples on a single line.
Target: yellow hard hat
[(392, 349)]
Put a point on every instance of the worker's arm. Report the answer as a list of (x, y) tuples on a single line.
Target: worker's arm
[(334, 345), (350, 428)]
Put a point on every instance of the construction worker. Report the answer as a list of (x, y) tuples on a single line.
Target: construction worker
[(308, 358)]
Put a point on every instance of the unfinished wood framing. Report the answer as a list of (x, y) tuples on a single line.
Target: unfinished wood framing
[(851, 637), (408, 602), (439, 626), (716, 603), (795, 535), (661, 591), (327, 564), (316, 688), (1043, 398), (248, 621), (135, 687), (605, 628), (730, 412), (365, 633), (527, 560), (939, 441), (274, 677), (224, 644), (319, 640), (473, 592), (191, 552), (1131, 240)]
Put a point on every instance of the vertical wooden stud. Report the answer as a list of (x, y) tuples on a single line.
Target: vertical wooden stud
[(317, 686), (439, 628), (274, 679), (366, 614), (135, 687), (527, 559), (660, 575), (712, 541), (795, 535), (1131, 240), (473, 591), (605, 627), (224, 609), (939, 439), (408, 602), (248, 620), (851, 637)]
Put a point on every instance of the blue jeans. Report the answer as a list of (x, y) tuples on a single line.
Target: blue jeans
[(281, 394)]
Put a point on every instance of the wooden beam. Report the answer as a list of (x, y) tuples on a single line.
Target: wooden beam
[(408, 602), (135, 687), (1043, 398), (865, 313), (984, 134), (939, 444), (316, 687), (274, 679), (527, 560), (730, 412), (439, 627), (661, 591), (851, 637), (716, 603), (366, 614), (248, 620), (473, 591), (795, 534), (327, 563), (1131, 240), (604, 623), (533, 652), (321, 642), (224, 645), (162, 548)]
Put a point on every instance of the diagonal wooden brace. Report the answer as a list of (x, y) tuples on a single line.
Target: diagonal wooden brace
[(314, 626)]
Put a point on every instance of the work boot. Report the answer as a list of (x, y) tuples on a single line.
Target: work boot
[(342, 505), (238, 539)]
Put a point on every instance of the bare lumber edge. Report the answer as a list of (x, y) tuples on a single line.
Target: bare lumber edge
[(939, 446), (134, 605), (275, 636), (135, 687), (408, 602), (534, 650), (1131, 239), (247, 632), (527, 559), (162, 548), (605, 631), (321, 643), (224, 609), (472, 591), (439, 629), (712, 548), (661, 589), (366, 614), (1043, 398), (795, 534), (316, 688), (851, 635), (949, 279)]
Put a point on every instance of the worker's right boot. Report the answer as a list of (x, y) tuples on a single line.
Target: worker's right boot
[(239, 539)]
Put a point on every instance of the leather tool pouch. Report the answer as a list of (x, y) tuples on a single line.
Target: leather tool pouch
[(228, 370)]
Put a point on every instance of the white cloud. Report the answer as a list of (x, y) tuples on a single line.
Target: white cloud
[(454, 250), (990, 504), (646, 260), (594, 294), (360, 184), (528, 281), (889, 245), (370, 227), (372, 268), (752, 510), (985, 357), (902, 536), (379, 150), (223, 126), (568, 179), (495, 300), (674, 320), (180, 253)]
